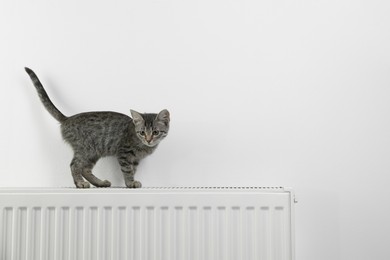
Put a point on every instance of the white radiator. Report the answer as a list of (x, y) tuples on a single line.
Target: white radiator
[(147, 224)]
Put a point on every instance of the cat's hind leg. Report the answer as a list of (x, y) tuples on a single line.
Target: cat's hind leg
[(77, 170), (87, 174), (84, 167)]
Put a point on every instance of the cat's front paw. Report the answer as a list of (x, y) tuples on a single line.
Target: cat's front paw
[(82, 184), (133, 184)]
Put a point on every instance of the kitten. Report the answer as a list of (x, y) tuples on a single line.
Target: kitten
[(94, 135)]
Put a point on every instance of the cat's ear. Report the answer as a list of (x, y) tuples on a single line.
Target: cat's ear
[(163, 116), (137, 117)]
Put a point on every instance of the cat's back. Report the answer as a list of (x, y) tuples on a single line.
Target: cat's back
[(95, 124), (100, 117)]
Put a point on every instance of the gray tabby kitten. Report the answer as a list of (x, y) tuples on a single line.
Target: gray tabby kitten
[(94, 135)]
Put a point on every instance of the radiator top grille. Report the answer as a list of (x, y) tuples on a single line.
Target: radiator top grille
[(202, 188), (144, 189), (217, 188)]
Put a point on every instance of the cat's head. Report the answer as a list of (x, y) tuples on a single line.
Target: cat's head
[(151, 128)]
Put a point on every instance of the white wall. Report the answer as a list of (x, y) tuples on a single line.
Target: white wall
[(286, 93)]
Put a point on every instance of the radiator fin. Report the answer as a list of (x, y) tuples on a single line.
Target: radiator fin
[(34, 238)]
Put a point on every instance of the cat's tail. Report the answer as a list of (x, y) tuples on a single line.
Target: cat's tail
[(45, 98)]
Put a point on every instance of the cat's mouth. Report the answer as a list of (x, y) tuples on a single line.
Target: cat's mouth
[(151, 144)]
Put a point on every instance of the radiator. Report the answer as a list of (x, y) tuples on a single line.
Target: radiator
[(147, 224)]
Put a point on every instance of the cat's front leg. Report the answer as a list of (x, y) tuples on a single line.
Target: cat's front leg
[(129, 167)]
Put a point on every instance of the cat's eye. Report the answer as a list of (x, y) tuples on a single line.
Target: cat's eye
[(142, 133), (156, 132)]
